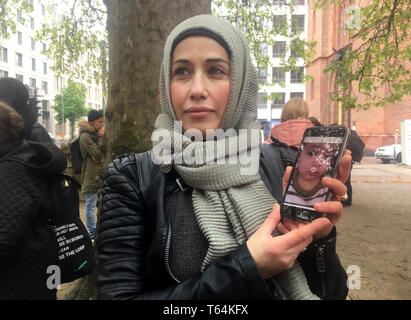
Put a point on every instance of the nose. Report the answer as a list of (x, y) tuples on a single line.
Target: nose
[(198, 88)]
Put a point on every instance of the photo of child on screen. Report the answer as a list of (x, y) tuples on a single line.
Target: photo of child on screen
[(315, 161)]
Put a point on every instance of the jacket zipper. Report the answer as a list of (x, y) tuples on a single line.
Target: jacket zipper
[(167, 251), (321, 267)]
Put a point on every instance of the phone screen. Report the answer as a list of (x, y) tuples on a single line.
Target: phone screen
[(318, 156)]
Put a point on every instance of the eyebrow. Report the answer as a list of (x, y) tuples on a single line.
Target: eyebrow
[(210, 60)]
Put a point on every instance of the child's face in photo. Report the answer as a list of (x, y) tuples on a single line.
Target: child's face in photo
[(314, 160)]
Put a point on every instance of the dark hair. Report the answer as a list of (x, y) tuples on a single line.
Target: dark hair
[(200, 32), (16, 95), (315, 122), (11, 124)]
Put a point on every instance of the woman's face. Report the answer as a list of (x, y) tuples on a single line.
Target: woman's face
[(200, 83)]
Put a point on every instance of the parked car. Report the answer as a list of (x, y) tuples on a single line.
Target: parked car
[(388, 153)]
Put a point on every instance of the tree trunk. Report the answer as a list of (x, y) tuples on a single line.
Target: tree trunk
[(137, 31)]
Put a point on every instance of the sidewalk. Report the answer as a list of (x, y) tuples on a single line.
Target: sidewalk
[(373, 170)]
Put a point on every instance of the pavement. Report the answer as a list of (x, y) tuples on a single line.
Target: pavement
[(373, 170)]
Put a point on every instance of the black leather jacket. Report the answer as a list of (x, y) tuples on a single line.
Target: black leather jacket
[(134, 238)]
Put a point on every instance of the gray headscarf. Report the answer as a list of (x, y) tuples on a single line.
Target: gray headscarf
[(230, 201)]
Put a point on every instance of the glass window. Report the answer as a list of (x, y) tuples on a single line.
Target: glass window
[(4, 73), (262, 76), (297, 75), (279, 100), (19, 59), (33, 64), (3, 54), (279, 22), (32, 83), (44, 68), (297, 22), (44, 86), (19, 37), (262, 100), (278, 75), (296, 94), (279, 49), (33, 44), (20, 77)]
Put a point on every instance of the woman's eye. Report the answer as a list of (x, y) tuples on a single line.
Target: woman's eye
[(216, 71), (180, 72)]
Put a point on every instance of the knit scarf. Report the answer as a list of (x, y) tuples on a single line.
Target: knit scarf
[(229, 198)]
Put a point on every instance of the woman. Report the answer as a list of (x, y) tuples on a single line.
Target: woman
[(188, 228), (26, 249)]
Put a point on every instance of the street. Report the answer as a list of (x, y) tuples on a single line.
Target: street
[(374, 233)]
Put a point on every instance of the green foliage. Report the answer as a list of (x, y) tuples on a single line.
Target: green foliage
[(380, 67), (10, 12), (70, 103), (76, 35), (256, 19)]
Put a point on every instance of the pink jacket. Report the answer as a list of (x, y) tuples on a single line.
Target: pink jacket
[(291, 131)]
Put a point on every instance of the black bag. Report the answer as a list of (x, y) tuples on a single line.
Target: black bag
[(74, 249), (76, 157)]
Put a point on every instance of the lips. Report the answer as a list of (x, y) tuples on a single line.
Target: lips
[(199, 111)]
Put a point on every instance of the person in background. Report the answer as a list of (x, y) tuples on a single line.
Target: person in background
[(16, 95), (92, 149), (287, 135), (26, 238)]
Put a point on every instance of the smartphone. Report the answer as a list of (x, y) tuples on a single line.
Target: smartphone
[(319, 155)]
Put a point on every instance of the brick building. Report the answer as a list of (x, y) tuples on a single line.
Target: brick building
[(376, 126)]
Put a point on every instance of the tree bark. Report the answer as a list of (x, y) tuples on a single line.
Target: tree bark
[(137, 31)]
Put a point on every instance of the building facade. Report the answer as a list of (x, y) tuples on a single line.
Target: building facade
[(22, 57), (376, 126)]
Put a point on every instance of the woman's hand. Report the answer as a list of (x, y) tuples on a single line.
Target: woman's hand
[(333, 209), (276, 254)]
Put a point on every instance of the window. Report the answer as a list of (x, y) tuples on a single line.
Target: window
[(43, 9), (297, 22), (278, 75), (279, 100), (300, 2), (19, 59), (297, 48), (33, 44), (44, 47), (32, 23), (33, 64), (20, 77), (279, 2), (19, 18), (279, 22), (32, 83), (3, 54), (296, 94), (4, 73), (19, 37), (44, 68), (44, 86), (262, 100), (297, 75), (45, 105), (279, 49), (262, 76)]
